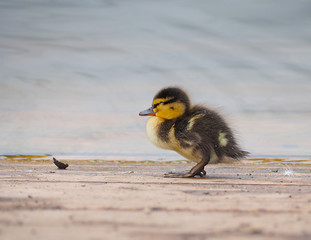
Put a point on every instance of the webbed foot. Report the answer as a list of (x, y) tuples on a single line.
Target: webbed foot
[(185, 174)]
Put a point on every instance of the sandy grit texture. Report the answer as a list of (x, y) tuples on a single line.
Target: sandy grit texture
[(102, 200)]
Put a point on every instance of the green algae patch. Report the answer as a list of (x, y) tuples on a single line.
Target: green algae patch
[(279, 160), (26, 158)]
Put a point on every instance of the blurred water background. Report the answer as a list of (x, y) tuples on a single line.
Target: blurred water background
[(74, 74)]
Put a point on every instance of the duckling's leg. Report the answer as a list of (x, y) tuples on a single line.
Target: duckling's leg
[(196, 170)]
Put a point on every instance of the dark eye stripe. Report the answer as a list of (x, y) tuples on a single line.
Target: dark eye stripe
[(170, 101), (167, 102), (155, 105)]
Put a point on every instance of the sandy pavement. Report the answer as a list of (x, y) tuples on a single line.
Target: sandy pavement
[(111, 200)]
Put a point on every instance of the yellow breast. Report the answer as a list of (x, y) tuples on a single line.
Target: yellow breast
[(172, 143), (152, 128)]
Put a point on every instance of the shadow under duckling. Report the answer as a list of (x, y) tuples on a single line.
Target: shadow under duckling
[(195, 132)]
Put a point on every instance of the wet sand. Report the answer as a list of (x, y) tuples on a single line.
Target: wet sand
[(102, 200)]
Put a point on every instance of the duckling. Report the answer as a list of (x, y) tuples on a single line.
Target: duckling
[(195, 132)]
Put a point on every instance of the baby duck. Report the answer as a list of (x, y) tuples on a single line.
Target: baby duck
[(195, 132)]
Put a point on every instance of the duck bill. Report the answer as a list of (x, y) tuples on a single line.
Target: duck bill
[(147, 112)]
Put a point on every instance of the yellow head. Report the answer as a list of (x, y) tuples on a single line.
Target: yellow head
[(169, 103)]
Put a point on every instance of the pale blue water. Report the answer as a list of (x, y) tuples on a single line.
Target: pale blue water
[(75, 74)]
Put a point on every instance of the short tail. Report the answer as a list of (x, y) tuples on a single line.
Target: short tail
[(233, 158)]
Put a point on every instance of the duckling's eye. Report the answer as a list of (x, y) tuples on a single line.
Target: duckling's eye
[(172, 108)]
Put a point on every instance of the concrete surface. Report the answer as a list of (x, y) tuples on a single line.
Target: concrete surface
[(128, 200)]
